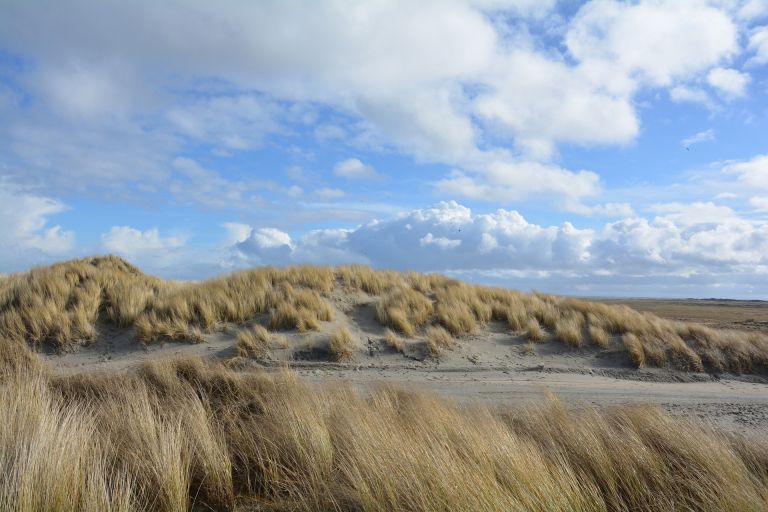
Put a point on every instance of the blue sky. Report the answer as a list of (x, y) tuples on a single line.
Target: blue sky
[(596, 148)]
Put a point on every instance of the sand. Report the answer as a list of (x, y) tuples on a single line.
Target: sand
[(492, 364)]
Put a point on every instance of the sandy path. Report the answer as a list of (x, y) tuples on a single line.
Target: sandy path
[(491, 365), (734, 405)]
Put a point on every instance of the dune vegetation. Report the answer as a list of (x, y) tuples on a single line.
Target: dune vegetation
[(67, 304), (190, 434)]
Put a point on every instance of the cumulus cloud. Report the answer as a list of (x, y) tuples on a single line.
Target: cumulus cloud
[(752, 172), (758, 43), (683, 93), (235, 232), (354, 169), (729, 82), (25, 233), (657, 41), (759, 203), (132, 242), (682, 240)]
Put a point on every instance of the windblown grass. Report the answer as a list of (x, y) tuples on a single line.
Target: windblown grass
[(438, 339), (394, 341), (65, 305), (178, 434), (533, 331), (253, 342), (342, 345), (404, 309)]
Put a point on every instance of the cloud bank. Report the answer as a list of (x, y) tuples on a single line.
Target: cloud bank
[(683, 241)]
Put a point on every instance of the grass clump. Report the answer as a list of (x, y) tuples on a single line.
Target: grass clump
[(568, 329), (533, 330), (394, 341), (342, 345), (404, 310), (598, 335), (634, 348), (253, 342), (438, 339), (456, 317)]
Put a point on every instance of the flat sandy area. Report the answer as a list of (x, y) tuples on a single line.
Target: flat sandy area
[(493, 364)]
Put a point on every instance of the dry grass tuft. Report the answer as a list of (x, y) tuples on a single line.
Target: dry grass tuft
[(253, 342), (342, 345), (394, 341), (635, 349), (438, 339), (568, 329), (598, 335), (533, 330), (404, 310)]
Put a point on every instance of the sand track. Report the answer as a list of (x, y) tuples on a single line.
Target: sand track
[(492, 365)]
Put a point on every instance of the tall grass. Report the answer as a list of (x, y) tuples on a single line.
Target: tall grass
[(342, 345), (253, 342), (66, 304), (177, 434)]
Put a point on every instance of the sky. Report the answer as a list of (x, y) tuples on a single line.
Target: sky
[(595, 148)]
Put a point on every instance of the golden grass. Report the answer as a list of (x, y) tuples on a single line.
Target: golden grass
[(405, 310), (342, 345), (533, 330), (568, 329), (253, 342), (438, 339), (394, 341), (175, 435), (598, 335), (64, 306), (635, 349)]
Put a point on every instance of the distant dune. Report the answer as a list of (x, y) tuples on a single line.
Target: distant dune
[(346, 313)]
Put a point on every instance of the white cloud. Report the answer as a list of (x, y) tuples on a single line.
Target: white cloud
[(354, 169), (730, 82), (513, 181), (132, 242), (758, 43), (759, 202), (601, 210), (441, 241), (698, 138), (682, 93), (236, 232), (540, 102), (25, 236), (658, 41), (751, 9), (753, 172), (684, 240)]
